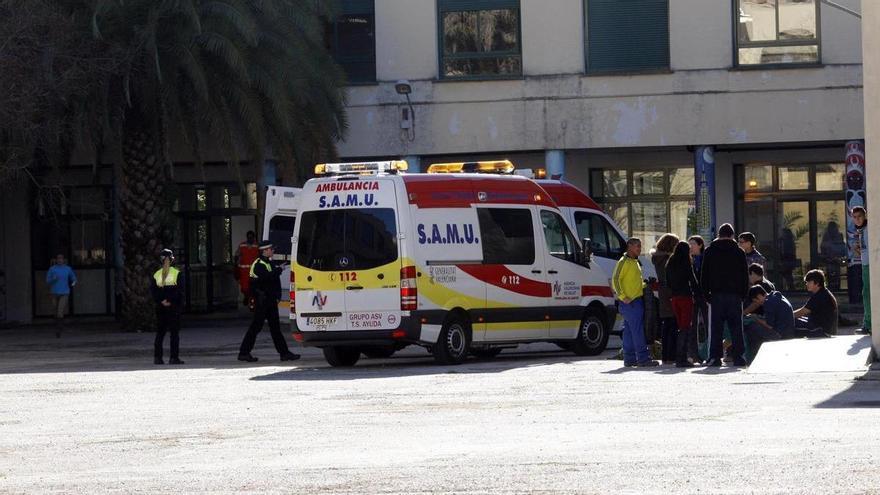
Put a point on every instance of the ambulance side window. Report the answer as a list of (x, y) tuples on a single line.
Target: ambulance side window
[(592, 226), (616, 242), (507, 236), (560, 241)]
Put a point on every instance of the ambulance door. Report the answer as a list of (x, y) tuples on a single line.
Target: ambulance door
[(320, 294), (368, 260), (565, 275), (513, 265)]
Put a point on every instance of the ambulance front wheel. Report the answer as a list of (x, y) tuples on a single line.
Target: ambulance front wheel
[(342, 355), (592, 337), (453, 344)]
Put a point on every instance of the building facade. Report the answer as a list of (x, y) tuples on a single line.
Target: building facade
[(619, 98)]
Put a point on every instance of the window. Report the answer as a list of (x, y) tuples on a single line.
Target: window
[(347, 239), (605, 241), (280, 232), (508, 236), (479, 39), (560, 242), (799, 215), (647, 203), (351, 39), (631, 36), (777, 32)]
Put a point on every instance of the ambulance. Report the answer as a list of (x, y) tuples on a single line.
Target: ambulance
[(278, 223), (468, 259)]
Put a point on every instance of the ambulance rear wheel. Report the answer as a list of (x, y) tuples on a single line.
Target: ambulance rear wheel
[(592, 337), (342, 356), (453, 343)]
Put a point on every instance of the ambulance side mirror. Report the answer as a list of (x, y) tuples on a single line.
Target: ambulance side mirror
[(587, 253)]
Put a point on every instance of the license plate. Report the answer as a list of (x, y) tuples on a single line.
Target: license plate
[(321, 321)]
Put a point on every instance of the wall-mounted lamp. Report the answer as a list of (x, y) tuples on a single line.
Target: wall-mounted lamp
[(407, 113)]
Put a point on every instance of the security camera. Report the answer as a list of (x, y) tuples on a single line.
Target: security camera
[(402, 87)]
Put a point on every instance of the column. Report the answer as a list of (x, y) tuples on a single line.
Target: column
[(414, 162), (554, 161), (704, 182), (871, 84)]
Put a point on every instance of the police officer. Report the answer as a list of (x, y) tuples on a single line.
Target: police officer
[(167, 290), (265, 287)]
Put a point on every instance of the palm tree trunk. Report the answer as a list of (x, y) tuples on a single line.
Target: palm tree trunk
[(143, 183)]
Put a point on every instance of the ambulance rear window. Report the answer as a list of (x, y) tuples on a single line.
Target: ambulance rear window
[(347, 239), (280, 232)]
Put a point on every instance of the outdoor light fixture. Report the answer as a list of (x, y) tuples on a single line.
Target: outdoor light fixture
[(407, 113)]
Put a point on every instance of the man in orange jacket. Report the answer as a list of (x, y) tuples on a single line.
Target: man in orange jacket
[(247, 252)]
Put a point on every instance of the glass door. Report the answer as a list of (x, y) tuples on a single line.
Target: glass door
[(831, 242), (793, 247), (197, 264)]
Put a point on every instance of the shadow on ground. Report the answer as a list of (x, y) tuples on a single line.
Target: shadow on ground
[(864, 393)]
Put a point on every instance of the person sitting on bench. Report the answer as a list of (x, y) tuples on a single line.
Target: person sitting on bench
[(818, 318)]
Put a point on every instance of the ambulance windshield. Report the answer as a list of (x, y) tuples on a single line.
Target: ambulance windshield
[(347, 239)]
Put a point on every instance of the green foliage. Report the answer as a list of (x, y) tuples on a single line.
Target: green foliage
[(252, 77)]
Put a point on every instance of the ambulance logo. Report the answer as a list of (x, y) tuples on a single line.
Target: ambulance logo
[(319, 300)]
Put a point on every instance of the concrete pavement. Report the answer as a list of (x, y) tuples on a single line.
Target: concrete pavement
[(91, 413)]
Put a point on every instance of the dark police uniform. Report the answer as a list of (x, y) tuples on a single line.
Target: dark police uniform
[(167, 287), (265, 277)]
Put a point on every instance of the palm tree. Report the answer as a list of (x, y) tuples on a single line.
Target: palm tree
[(250, 77)]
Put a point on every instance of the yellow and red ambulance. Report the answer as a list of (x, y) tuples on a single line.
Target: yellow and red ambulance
[(460, 263)]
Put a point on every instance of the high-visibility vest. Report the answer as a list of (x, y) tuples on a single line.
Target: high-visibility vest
[(170, 279), (254, 265)]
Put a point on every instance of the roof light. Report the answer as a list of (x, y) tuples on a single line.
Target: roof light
[(361, 168), (531, 173), (487, 167)]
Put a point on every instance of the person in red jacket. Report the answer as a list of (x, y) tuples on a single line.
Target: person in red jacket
[(247, 252)]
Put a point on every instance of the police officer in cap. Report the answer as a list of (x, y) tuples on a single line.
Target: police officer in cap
[(167, 290), (265, 277)]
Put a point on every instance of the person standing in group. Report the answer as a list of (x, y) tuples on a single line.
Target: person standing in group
[(167, 289), (860, 218), (683, 287), (725, 283), (628, 288), (60, 279), (668, 327), (247, 252), (701, 309), (265, 285), (748, 243)]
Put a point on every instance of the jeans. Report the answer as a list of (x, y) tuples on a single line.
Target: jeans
[(866, 297), (634, 348), (726, 308)]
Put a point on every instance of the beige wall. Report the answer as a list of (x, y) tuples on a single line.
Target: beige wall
[(871, 45), (555, 106)]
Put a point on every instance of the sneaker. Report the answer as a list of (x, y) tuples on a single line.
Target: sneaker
[(630, 365), (650, 363), (686, 364), (727, 359), (862, 331), (248, 358), (175, 361), (158, 361), (713, 363), (289, 356), (739, 362)]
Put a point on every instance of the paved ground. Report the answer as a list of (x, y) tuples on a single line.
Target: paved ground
[(90, 413)]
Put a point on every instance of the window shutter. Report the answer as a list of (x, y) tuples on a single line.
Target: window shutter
[(457, 5), (627, 35), (356, 7)]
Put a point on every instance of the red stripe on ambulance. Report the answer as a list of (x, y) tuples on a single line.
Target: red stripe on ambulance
[(501, 276)]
